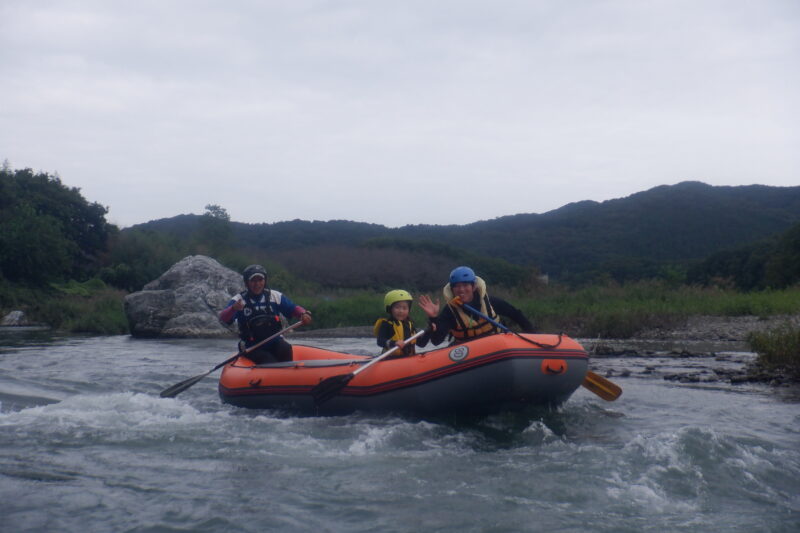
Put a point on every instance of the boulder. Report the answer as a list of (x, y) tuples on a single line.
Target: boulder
[(185, 301), (14, 319)]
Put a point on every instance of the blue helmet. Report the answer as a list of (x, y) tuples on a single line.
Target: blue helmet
[(462, 274)]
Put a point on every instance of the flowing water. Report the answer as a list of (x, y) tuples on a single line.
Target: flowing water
[(86, 444)]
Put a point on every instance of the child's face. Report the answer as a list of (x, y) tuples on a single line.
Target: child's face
[(400, 310)]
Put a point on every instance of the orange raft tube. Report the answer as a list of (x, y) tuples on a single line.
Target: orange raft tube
[(487, 375)]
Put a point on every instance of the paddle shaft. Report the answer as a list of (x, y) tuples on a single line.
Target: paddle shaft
[(471, 309), (330, 387), (259, 344), (387, 353), (176, 389), (457, 301)]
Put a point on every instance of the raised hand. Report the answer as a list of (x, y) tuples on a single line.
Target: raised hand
[(430, 307)]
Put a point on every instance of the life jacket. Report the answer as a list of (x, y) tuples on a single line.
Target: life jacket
[(468, 326), (402, 330), (260, 317)]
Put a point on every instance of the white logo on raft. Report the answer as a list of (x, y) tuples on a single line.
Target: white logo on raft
[(459, 353)]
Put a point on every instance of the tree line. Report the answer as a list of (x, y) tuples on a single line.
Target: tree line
[(769, 264), (49, 230), (51, 233)]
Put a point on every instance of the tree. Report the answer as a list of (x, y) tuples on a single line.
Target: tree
[(138, 256), (45, 223), (33, 247), (218, 212), (214, 235)]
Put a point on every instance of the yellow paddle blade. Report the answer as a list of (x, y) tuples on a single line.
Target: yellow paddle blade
[(601, 386)]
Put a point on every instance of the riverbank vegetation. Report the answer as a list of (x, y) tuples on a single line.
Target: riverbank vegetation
[(64, 265), (611, 311), (90, 307), (778, 349), (622, 311)]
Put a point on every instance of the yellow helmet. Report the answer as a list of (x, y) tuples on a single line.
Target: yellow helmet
[(392, 297)]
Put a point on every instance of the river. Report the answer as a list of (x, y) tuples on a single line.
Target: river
[(86, 444)]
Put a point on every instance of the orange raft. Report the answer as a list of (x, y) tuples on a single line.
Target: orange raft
[(492, 374)]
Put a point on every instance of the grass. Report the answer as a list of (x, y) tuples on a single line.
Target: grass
[(778, 348), (613, 311), (73, 307), (350, 308), (622, 311), (606, 311)]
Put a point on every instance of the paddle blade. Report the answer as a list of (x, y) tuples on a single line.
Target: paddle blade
[(178, 388), (601, 386), (330, 387)]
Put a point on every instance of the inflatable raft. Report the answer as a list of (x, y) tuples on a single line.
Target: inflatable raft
[(492, 374)]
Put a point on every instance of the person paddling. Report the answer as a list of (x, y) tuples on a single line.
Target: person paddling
[(461, 324), (257, 312), (394, 329)]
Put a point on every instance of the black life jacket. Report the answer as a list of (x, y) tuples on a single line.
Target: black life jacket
[(261, 318)]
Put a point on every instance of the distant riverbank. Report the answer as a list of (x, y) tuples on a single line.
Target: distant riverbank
[(720, 328), (712, 342)]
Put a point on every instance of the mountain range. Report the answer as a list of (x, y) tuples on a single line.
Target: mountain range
[(666, 227)]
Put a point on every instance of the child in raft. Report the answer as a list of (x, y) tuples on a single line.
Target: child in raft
[(392, 330)]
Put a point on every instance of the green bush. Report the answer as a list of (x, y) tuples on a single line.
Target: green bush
[(74, 288), (622, 311), (608, 311), (778, 348), (72, 307)]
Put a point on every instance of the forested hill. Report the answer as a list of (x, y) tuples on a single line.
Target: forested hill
[(667, 224), (630, 237)]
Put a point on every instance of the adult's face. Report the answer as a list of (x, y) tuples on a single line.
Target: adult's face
[(256, 285), (464, 291)]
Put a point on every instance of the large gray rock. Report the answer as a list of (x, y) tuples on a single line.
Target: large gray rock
[(184, 301), (15, 319)]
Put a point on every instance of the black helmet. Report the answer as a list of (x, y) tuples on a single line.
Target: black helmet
[(254, 270)]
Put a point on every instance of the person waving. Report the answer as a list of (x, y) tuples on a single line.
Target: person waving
[(457, 321)]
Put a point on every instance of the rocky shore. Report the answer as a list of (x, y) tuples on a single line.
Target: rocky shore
[(715, 345), (721, 328)]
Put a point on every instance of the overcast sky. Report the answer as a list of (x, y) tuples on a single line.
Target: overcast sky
[(396, 112)]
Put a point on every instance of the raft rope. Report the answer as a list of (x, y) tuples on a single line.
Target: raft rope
[(457, 301), (539, 344)]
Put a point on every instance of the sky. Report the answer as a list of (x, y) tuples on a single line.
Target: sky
[(396, 113)]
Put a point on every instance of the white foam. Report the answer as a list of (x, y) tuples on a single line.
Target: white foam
[(107, 412), (372, 441)]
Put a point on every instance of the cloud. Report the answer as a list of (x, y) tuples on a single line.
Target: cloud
[(405, 113)]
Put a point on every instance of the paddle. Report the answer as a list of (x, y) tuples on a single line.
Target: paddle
[(178, 388), (599, 385), (330, 387), (594, 382)]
